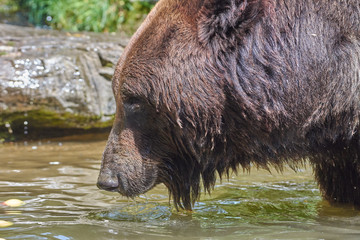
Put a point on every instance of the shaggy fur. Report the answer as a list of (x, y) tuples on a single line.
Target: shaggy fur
[(206, 86)]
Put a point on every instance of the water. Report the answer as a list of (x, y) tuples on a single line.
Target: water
[(57, 182)]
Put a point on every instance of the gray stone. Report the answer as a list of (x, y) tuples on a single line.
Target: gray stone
[(58, 72)]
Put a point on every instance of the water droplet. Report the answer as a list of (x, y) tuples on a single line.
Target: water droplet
[(26, 123), (48, 18), (26, 132), (113, 231), (7, 125)]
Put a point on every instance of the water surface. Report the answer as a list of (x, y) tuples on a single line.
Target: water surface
[(57, 182)]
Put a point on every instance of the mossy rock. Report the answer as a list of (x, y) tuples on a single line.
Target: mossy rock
[(58, 83)]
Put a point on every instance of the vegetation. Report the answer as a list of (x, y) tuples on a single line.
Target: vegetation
[(84, 15), (8, 6)]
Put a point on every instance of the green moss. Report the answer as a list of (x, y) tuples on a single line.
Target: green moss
[(2, 53), (10, 43), (44, 123), (48, 119)]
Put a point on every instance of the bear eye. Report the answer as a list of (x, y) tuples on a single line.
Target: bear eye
[(132, 105)]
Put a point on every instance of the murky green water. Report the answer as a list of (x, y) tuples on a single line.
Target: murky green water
[(57, 182)]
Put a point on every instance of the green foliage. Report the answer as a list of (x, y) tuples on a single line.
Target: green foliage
[(87, 15), (8, 6)]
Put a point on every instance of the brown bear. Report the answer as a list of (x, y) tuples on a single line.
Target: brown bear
[(207, 86)]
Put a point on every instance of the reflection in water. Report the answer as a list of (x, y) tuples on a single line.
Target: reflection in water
[(57, 183)]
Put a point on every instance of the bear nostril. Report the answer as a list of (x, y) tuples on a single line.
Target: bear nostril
[(108, 183)]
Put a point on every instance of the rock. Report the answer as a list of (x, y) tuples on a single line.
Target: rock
[(13, 203), (60, 83), (5, 224)]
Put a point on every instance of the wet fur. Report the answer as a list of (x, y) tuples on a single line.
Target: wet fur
[(257, 82)]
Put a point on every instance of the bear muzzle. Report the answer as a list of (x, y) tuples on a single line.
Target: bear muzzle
[(129, 182), (108, 182), (126, 167), (112, 182)]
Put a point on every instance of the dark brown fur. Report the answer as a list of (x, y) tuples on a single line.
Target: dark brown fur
[(206, 86)]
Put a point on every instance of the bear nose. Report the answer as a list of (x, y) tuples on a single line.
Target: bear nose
[(108, 183)]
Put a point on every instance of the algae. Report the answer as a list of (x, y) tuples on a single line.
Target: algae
[(10, 43), (43, 123)]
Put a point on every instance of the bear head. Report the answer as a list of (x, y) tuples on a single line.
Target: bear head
[(170, 92)]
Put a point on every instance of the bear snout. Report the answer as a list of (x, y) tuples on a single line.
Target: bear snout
[(113, 183), (108, 182)]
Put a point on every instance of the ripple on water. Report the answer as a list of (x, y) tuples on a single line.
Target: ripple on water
[(140, 212), (58, 185)]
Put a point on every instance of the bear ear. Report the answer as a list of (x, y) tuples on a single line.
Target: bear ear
[(226, 20)]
